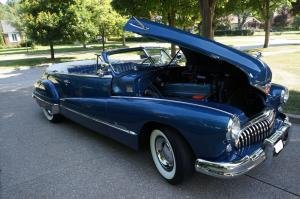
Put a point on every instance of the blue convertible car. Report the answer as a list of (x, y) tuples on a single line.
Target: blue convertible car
[(209, 108)]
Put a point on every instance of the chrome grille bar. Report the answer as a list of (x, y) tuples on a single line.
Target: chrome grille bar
[(256, 131)]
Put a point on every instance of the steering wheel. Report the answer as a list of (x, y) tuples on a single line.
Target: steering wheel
[(146, 59), (152, 91)]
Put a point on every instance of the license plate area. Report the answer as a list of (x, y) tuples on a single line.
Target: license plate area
[(278, 146), (275, 144)]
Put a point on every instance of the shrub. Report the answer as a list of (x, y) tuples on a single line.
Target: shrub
[(133, 39), (29, 43), (296, 23), (234, 32), (2, 44)]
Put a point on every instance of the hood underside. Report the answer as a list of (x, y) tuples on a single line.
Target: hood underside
[(257, 71)]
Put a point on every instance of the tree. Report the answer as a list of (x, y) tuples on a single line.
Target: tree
[(207, 11), (138, 8), (107, 20), (282, 19), (7, 12), (266, 9), (296, 23), (295, 7), (83, 25), (239, 8), (47, 22), (174, 13)]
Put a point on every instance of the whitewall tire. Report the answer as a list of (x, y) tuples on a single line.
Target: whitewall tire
[(50, 116), (171, 155)]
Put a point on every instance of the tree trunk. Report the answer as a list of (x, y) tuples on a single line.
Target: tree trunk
[(123, 39), (239, 22), (267, 23), (171, 21), (207, 9), (52, 51), (103, 41), (84, 45)]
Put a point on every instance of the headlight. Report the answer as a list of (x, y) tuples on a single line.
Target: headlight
[(233, 130), (284, 96)]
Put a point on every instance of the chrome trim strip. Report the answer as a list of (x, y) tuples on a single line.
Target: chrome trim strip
[(87, 75), (175, 101), (242, 166), (54, 107), (99, 121)]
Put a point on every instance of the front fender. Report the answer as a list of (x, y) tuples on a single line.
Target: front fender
[(46, 90), (203, 127)]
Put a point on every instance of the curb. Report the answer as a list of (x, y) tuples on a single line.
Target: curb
[(294, 118)]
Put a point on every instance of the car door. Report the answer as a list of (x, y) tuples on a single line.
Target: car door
[(87, 95)]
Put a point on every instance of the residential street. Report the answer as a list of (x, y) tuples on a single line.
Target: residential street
[(39, 159)]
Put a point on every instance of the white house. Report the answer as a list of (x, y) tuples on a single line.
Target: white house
[(9, 33)]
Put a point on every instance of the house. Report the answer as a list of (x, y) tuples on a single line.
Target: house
[(10, 34), (248, 22)]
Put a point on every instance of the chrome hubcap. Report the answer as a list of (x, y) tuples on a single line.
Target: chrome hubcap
[(48, 113), (164, 153)]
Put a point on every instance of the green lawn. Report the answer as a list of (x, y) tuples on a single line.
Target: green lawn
[(33, 61), (233, 40), (285, 65), (257, 37), (58, 49)]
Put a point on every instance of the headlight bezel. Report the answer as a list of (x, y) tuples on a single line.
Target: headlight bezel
[(233, 130), (284, 96)]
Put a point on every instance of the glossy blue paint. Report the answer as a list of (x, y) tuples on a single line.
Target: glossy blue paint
[(257, 71), (274, 95), (112, 104)]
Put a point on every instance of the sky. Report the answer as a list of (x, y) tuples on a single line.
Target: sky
[(3, 1)]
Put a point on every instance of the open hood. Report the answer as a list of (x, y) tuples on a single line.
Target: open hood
[(257, 71)]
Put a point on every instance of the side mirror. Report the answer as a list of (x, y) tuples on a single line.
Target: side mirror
[(104, 66), (103, 69)]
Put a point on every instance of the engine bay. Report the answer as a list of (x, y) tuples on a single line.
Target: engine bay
[(207, 79)]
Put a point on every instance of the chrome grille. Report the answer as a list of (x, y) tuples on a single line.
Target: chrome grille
[(256, 130)]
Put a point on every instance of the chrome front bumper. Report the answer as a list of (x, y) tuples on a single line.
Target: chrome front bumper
[(242, 166)]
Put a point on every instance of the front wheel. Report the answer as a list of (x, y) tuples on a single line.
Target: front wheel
[(50, 116), (171, 155)]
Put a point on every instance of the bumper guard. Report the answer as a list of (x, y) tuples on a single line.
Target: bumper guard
[(242, 166)]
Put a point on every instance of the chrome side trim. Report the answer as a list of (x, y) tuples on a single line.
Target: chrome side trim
[(54, 107), (86, 75), (99, 121), (175, 101), (242, 166)]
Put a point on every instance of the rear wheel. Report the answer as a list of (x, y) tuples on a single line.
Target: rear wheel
[(50, 116), (171, 155)]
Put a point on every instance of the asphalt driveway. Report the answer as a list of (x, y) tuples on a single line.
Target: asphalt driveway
[(39, 159)]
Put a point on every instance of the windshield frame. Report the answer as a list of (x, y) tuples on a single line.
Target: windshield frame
[(145, 50)]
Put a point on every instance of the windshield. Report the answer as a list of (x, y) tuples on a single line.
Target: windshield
[(159, 56), (147, 57)]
